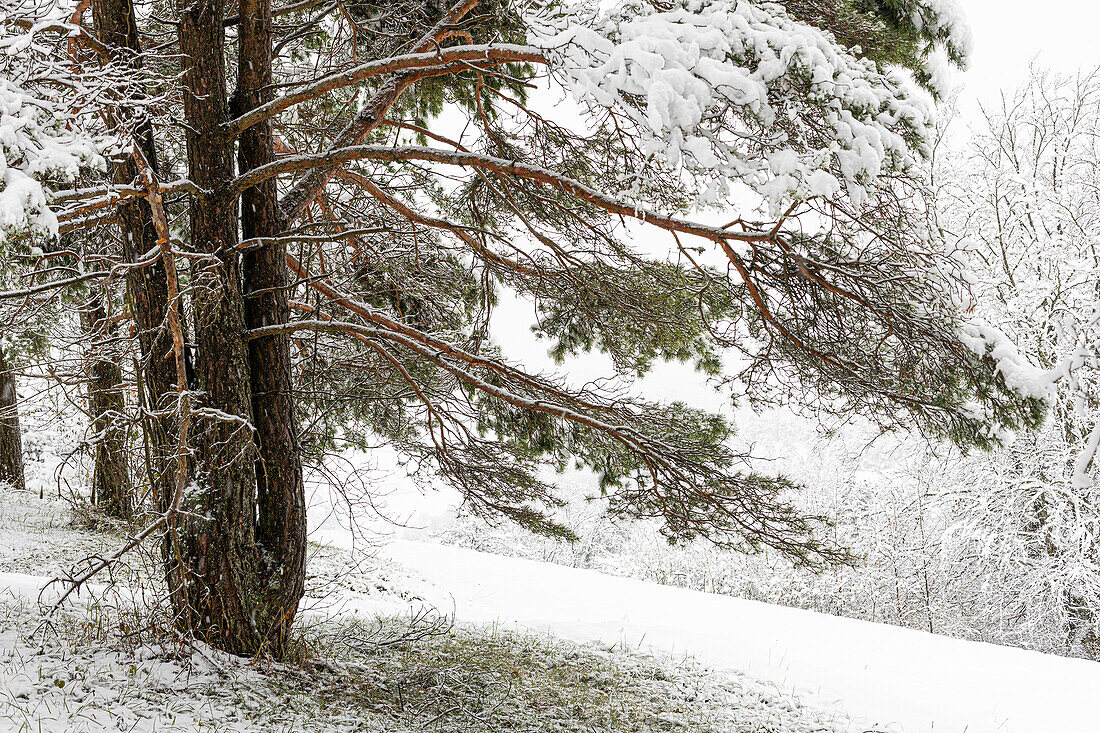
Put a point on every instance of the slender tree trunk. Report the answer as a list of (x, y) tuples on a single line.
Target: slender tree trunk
[(147, 287), (111, 484), (281, 529), (11, 438)]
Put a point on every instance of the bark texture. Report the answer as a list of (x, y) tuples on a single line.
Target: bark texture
[(147, 288), (226, 593), (281, 528), (11, 438), (236, 550)]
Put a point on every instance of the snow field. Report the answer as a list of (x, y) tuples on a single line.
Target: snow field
[(896, 679), (100, 666)]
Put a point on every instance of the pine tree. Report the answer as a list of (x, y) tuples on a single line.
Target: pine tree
[(315, 257)]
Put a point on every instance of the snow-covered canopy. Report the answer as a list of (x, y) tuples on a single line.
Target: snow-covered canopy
[(36, 147), (742, 91)]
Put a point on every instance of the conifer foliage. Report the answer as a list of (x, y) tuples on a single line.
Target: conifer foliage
[(298, 218)]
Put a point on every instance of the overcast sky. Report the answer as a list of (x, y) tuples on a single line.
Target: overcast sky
[(1062, 34)]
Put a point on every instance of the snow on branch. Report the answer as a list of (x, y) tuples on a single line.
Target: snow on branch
[(36, 145), (42, 139), (742, 92), (1019, 374), (440, 61)]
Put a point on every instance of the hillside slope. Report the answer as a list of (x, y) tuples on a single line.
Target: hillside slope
[(896, 679), (105, 665), (786, 669)]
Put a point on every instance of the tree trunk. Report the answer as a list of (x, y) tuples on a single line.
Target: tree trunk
[(11, 438), (147, 288), (281, 529), (111, 486), (226, 585), (224, 595)]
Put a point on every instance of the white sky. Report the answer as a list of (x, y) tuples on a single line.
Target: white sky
[(1063, 35)]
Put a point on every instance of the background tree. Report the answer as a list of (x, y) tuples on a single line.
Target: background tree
[(1027, 200), (45, 145), (112, 489), (11, 437), (117, 46)]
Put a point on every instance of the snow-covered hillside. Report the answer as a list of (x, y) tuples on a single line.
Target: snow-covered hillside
[(895, 679), (892, 678), (824, 672), (104, 665)]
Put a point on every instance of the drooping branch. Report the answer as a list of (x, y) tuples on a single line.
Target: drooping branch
[(372, 315), (73, 582), (678, 473), (690, 486), (437, 351), (461, 232), (724, 237)]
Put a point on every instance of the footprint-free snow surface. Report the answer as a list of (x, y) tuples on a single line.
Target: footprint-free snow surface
[(895, 679)]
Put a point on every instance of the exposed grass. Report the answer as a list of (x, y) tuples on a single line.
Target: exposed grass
[(384, 676), (467, 679)]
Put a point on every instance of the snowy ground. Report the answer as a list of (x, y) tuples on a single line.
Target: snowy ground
[(767, 668), (103, 666), (896, 679), (891, 678)]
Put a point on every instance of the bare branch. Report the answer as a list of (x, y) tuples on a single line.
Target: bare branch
[(294, 202)]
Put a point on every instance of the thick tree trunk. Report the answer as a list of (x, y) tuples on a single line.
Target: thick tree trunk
[(281, 529), (234, 581), (225, 595), (147, 287), (111, 486), (11, 438)]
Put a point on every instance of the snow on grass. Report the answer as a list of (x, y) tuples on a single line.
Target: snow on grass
[(105, 666), (897, 679), (467, 679), (39, 536)]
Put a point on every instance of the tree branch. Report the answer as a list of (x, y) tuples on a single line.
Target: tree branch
[(294, 202), (337, 156), (434, 63)]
